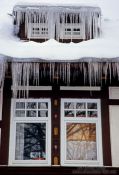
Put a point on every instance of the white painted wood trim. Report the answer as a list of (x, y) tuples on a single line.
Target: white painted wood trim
[(114, 93), (34, 88), (12, 141), (97, 121), (114, 130), (80, 88)]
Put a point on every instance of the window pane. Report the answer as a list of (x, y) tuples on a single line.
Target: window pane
[(31, 105), (92, 105), (43, 113), (80, 105), (81, 141), (69, 113), (69, 105), (30, 141), (43, 105), (20, 113), (20, 105), (80, 113), (31, 113), (92, 114)]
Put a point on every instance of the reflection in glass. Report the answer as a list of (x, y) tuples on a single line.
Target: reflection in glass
[(31, 105), (92, 113), (20, 113), (43, 105), (69, 105), (43, 113), (92, 105), (80, 113), (30, 141), (31, 113), (69, 113), (81, 141), (20, 105), (80, 105)]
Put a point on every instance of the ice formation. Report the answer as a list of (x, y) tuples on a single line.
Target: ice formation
[(25, 72), (2, 70), (87, 19)]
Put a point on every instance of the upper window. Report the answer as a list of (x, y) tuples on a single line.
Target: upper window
[(81, 132), (70, 27), (30, 134), (37, 26)]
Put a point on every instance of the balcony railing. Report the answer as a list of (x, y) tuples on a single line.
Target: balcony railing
[(37, 31)]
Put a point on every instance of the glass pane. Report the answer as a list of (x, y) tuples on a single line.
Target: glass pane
[(92, 113), (43, 113), (30, 113), (80, 113), (69, 113), (20, 105), (30, 141), (20, 113), (43, 105), (69, 105), (31, 105), (80, 105), (81, 141), (92, 105)]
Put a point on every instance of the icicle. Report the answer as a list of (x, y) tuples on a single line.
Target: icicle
[(117, 68), (114, 71), (36, 73), (110, 71), (85, 74), (50, 72), (53, 72), (105, 71), (89, 73), (16, 77), (68, 73), (63, 70), (3, 66), (60, 71)]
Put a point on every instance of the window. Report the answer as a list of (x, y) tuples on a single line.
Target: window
[(38, 26), (39, 30), (71, 31), (81, 132), (30, 132), (71, 27)]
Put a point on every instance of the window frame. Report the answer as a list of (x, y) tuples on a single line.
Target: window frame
[(97, 121), (12, 142), (38, 31)]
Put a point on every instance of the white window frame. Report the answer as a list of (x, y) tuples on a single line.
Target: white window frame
[(72, 34), (96, 120), (14, 120), (38, 31)]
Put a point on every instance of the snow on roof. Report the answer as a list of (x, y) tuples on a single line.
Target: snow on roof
[(106, 47), (87, 3)]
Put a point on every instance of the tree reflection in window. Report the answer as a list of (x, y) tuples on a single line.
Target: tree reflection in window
[(81, 141), (30, 141)]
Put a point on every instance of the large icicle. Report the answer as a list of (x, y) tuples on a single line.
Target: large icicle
[(3, 66)]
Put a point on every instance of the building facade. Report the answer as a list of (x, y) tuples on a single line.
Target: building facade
[(58, 116)]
